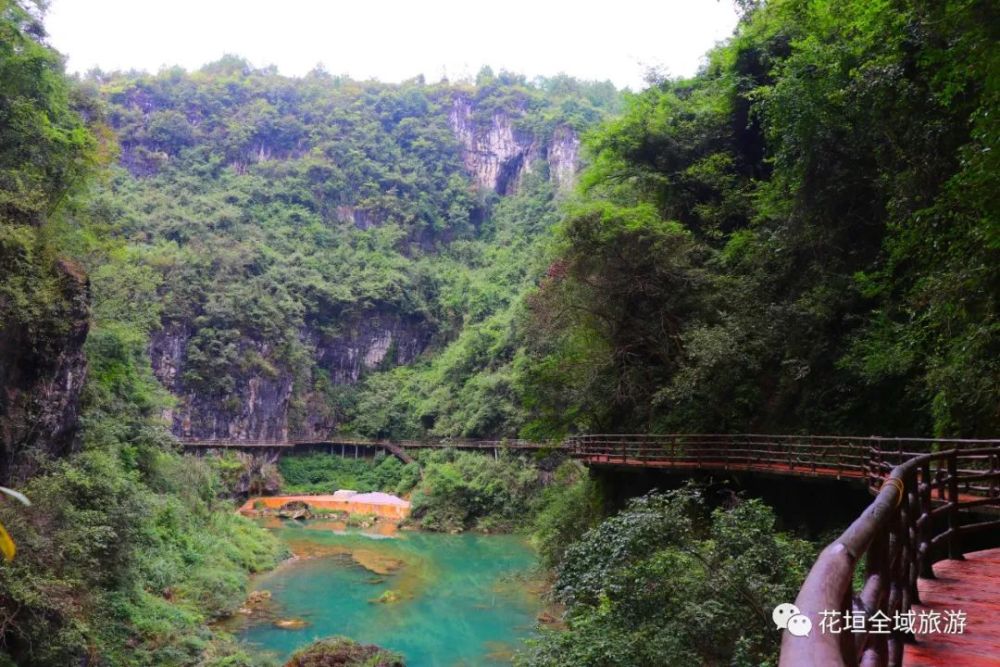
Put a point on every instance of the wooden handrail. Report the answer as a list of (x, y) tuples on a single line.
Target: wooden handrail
[(899, 540)]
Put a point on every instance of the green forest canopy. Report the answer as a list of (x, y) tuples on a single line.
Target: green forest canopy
[(801, 238)]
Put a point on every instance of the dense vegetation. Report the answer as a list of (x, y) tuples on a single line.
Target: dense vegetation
[(322, 473), (450, 490), (667, 582), (275, 221), (803, 237), (127, 550)]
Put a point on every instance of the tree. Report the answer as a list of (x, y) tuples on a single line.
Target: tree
[(665, 582)]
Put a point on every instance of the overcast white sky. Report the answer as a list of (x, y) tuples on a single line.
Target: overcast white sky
[(392, 40)]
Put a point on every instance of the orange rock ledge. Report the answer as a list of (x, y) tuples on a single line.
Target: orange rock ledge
[(379, 504)]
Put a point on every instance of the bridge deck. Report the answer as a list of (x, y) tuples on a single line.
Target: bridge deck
[(973, 586)]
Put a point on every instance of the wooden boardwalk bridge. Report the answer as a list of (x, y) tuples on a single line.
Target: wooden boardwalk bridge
[(931, 497)]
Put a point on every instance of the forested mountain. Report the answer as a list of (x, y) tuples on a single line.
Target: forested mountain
[(239, 252), (794, 240), (803, 237), (294, 236)]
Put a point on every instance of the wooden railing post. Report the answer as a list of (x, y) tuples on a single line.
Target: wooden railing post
[(954, 543), (994, 490), (926, 519), (910, 515)]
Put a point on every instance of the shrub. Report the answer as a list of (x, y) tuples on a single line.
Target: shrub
[(461, 490), (325, 473), (665, 582), (343, 652)]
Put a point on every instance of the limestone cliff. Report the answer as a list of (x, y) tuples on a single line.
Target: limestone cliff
[(282, 402), (275, 177), (42, 371), (497, 154)]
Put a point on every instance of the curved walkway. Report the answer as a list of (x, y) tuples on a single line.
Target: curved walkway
[(971, 586)]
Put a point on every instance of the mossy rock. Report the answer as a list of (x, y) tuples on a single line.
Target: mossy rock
[(295, 509), (344, 652), (388, 597)]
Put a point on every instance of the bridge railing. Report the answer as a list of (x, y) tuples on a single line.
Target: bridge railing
[(915, 520), (459, 443), (821, 455), (805, 455), (219, 443)]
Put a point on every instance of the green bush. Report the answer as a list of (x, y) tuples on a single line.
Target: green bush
[(344, 652), (461, 490), (569, 505), (130, 570), (665, 582), (325, 473)]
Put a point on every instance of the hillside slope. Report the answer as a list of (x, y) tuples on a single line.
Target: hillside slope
[(299, 235)]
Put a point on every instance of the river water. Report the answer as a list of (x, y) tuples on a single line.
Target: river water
[(461, 599)]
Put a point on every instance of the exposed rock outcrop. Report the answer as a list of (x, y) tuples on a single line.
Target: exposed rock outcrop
[(564, 157), (42, 371), (495, 155), (260, 405), (359, 217), (343, 652), (379, 339), (256, 409), (498, 154)]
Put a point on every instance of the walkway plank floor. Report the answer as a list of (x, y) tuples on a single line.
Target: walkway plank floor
[(973, 586)]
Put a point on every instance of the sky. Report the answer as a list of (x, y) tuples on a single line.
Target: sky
[(393, 40)]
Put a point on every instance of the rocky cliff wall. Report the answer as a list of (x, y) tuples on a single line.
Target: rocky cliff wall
[(42, 371), (281, 398), (282, 402), (497, 154)]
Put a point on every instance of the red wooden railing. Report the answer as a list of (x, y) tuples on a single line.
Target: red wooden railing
[(828, 456), (918, 517)]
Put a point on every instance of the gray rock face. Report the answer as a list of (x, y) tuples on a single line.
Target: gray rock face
[(497, 155), (272, 405), (42, 373), (564, 157), (359, 217), (382, 339)]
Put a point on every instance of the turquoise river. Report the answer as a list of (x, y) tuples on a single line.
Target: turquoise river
[(453, 599)]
